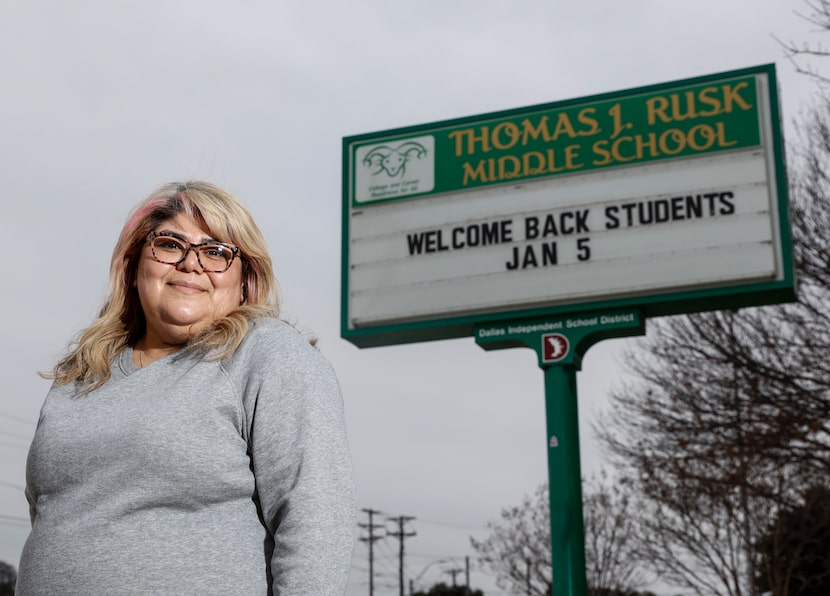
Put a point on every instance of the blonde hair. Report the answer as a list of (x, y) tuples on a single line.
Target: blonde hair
[(121, 322)]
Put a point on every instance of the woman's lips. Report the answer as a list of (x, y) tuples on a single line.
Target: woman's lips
[(187, 288)]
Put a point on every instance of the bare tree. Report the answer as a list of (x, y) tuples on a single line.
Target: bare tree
[(683, 433), (611, 525), (795, 552), (727, 419), (802, 55), (518, 549)]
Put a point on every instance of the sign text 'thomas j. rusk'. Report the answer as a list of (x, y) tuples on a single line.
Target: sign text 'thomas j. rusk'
[(679, 122)]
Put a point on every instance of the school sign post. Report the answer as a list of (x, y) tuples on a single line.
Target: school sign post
[(558, 225)]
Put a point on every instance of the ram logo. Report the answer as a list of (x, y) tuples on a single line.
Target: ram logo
[(555, 347), (393, 160)]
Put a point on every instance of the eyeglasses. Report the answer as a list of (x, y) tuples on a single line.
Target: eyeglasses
[(215, 257)]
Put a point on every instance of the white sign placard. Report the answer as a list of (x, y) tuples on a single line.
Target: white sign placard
[(701, 221)]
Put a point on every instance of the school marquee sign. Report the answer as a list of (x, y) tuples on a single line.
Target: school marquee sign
[(670, 198)]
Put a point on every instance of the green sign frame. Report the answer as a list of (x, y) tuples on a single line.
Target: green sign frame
[(514, 145)]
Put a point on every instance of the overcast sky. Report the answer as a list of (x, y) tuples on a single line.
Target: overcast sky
[(104, 101)]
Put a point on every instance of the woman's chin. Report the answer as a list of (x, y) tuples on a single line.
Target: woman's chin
[(182, 328)]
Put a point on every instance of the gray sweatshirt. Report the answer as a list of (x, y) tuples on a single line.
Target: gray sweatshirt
[(195, 477)]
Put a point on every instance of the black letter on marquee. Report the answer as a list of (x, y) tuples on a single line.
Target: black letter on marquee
[(531, 227), (612, 221)]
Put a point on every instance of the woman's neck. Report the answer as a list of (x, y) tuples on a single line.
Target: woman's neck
[(144, 354)]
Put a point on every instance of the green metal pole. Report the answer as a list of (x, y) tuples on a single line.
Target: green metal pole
[(567, 533), (560, 342)]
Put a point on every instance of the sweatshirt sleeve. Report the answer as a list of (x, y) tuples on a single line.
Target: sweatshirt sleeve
[(303, 470)]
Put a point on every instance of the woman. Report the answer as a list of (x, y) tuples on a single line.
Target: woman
[(191, 442)]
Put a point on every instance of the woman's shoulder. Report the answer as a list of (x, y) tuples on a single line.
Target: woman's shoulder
[(269, 330), (276, 354), (271, 339)]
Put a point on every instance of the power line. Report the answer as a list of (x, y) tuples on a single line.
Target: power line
[(17, 418), (15, 435), (10, 485), (24, 447), (451, 525), (386, 559), (13, 519), (434, 556)]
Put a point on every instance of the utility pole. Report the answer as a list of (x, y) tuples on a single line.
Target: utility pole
[(370, 539), (453, 572), (467, 576), (401, 535)]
